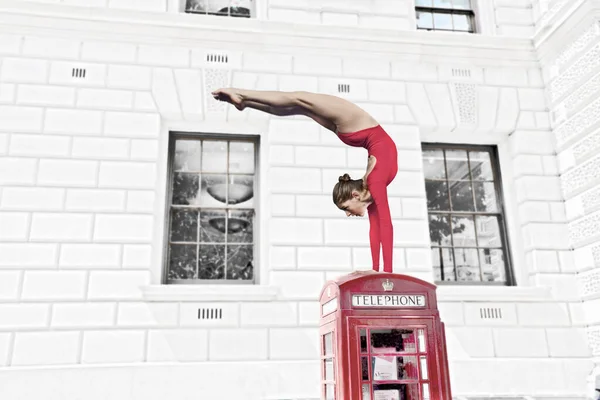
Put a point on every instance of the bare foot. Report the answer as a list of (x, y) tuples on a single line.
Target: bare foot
[(230, 96)]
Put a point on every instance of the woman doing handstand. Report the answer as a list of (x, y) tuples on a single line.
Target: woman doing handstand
[(355, 127)]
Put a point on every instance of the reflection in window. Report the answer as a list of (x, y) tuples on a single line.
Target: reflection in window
[(466, 225), (226, 8), (212, 210), (445, 15)]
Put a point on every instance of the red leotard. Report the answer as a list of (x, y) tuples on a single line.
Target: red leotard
[(380, 145)]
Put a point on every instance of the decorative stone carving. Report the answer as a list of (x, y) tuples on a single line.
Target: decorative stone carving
[(587, 146), (584, 229), (580, 122), (590, 282), (584, 40), (591, 201), (582, 94), (466, 99), (570, 77), (214, 79), (593, 334)]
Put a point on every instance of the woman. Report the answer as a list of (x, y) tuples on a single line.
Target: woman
[(355, 127)]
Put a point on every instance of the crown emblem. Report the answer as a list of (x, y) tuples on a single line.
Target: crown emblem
[(387, 285)]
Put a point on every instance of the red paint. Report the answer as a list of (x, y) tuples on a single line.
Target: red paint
[(395, 339)]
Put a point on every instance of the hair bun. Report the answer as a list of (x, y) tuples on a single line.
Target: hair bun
[(345, 178)]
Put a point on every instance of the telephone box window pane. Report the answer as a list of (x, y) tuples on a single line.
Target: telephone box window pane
[(330, 392), (426, 391), (328, 343), (392, 341), (363, 341), (397, 391), (329, 370), (422, 347), (366, 392), (391, 368), (424, 370), (364, 362)]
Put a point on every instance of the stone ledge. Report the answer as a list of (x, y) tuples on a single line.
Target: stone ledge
[(493, 294), (209, 293)]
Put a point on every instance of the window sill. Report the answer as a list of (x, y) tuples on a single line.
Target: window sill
[(493, 294), (209, 293)]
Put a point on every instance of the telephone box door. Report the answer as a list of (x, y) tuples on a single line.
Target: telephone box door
[(393, 359)]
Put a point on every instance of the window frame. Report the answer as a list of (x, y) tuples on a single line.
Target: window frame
[(255, 11), (492, 150), (201, 136), (470, 13)]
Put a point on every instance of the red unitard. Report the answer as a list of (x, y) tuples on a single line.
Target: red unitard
[(380, 145)]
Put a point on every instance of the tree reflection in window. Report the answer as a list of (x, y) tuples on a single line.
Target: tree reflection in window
[(227, 8), (465, 221)]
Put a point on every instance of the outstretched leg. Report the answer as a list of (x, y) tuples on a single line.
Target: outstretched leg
[(332, 112)]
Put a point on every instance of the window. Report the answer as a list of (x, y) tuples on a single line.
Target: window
[(226, 8), (211, 209), (445, 15), (466, 219)]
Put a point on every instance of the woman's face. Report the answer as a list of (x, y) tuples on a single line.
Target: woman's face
[(356, 206)]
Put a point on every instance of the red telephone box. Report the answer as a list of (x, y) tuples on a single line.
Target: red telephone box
[(382, 339)]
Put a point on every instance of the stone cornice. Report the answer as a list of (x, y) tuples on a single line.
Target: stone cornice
[(254, 34)]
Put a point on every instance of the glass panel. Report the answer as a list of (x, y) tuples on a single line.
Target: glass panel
[(363, 341), (443, 264), (485, 196), (442, 21), (187, 155), (213, 226), (422, 347), (196, 6), (493, 268), (481, 166), (463, 231), (426, 395), (329, 370), (214, 191), (461, 196), (241, 157), (364, 362), (328, 343), (433, 164), (442, 3), (467, 265), (439, 230), (186, 188), (214, 156), (424, 20), (396, 391), (184, 225), (424, 369), (182, 261), (457, 164), (330, 392), (392, 340), (462, 4), (462, 23), (366, 392), (241, 190), (437, 195), (391, 368), (242, 12), (240, 226), (211, 262), (423, 3), (488, 232), (240, 262)]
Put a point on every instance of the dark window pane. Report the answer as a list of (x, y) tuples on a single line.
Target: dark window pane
[(187, 155), (439, 230), (463, 231), (462, 23), (241, 12), (182, 261), (363, 340), (392, 340), (442, 21), (492, 265), (424, 20), (211, 263), (423, 3), (443, 264), (461, 196), (437, 195), (481, 166), (467, 265), (186, 188), (240, 227), (442, 3), (213, 226), (184, 225), (364, 363), (214, 191), (485, 196), (214, 156), (462, 4), (240, 261), (241, 157), (196, 5), (488, 231), (240, 190), (433, 164), (458, 165)]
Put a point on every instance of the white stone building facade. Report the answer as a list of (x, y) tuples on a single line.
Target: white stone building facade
[(92, 95)]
